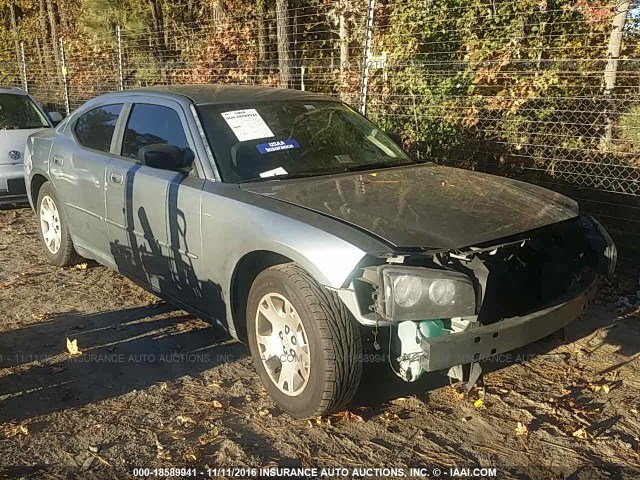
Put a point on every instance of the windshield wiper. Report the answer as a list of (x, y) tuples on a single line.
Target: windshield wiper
[(287, 176), (374, 166)]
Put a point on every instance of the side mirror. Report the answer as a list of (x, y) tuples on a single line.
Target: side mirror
[(166, 157), (55, 117)]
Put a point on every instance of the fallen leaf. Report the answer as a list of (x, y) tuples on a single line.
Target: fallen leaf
[(184, 420), (478, 403), (87, 463), (460, 395), (348, 416), (313, 422), (605, 389), (81, 266), (581, 433), (264, 412), (207, 438), (399, 400), (11, 430), (72, 347), (216, 404), (390, 417), (521, 429)]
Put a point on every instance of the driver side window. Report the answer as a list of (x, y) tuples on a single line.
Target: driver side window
[(152, 124)]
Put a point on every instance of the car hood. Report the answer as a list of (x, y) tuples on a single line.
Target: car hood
[(426, 205), (14, 141)]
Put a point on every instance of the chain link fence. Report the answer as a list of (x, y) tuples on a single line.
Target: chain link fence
[(524, 89)]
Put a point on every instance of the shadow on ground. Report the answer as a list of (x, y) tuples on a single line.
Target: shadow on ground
[(122, 351)]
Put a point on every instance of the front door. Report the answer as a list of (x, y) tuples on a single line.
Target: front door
[(153, 214)]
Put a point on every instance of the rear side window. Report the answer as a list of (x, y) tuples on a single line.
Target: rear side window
[(94, 129), (151, 124)]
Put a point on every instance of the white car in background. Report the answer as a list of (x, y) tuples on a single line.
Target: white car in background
[(20, 116)]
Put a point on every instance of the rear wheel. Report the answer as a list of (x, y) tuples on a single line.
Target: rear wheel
[(53, 228), (305, 344)]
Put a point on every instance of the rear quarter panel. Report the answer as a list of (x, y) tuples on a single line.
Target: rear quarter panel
[(37, 153)]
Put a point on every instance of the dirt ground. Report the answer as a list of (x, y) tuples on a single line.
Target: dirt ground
[(156, 387)]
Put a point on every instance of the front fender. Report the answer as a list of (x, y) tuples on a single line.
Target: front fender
[(234, 225)]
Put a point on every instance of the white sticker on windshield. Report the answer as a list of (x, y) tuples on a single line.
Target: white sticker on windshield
[(274, 172), (247, 124), (344, 159)]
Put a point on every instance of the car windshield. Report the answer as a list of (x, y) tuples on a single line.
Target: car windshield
[(19, 112), (288, 139)]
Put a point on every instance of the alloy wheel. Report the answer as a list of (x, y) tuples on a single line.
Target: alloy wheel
[(283, 344), (50, 224)]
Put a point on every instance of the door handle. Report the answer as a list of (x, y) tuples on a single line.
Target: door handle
[(58, 160), (115, 177)]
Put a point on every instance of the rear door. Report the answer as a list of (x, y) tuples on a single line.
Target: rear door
[(77, 165), (153, 215)]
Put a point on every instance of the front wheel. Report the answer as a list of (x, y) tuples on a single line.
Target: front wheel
[(304, 343)]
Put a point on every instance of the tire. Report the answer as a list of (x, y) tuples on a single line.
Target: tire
[(334, 346), (64, 255)]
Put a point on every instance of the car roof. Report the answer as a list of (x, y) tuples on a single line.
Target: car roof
[(14, 90), (220, 94)]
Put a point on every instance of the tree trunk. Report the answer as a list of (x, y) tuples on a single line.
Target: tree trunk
[(157, 27), (218, 12), (48, 67), (62, 12), (344, 44), (14, 32), (262, 13), (53, 28), (615, 41), (282, 23), (613, 53), (40, 55)]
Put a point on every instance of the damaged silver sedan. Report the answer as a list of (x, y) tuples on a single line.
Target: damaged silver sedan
[(305, 231)]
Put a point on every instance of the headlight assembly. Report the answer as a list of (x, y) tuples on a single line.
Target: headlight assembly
[(415, 293)]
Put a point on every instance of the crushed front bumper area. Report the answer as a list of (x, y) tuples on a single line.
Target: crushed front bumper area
[(484, 342)]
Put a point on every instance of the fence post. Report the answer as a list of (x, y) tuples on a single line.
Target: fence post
[(65, 82), (120, 72), (23, 68), (364, 89)]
